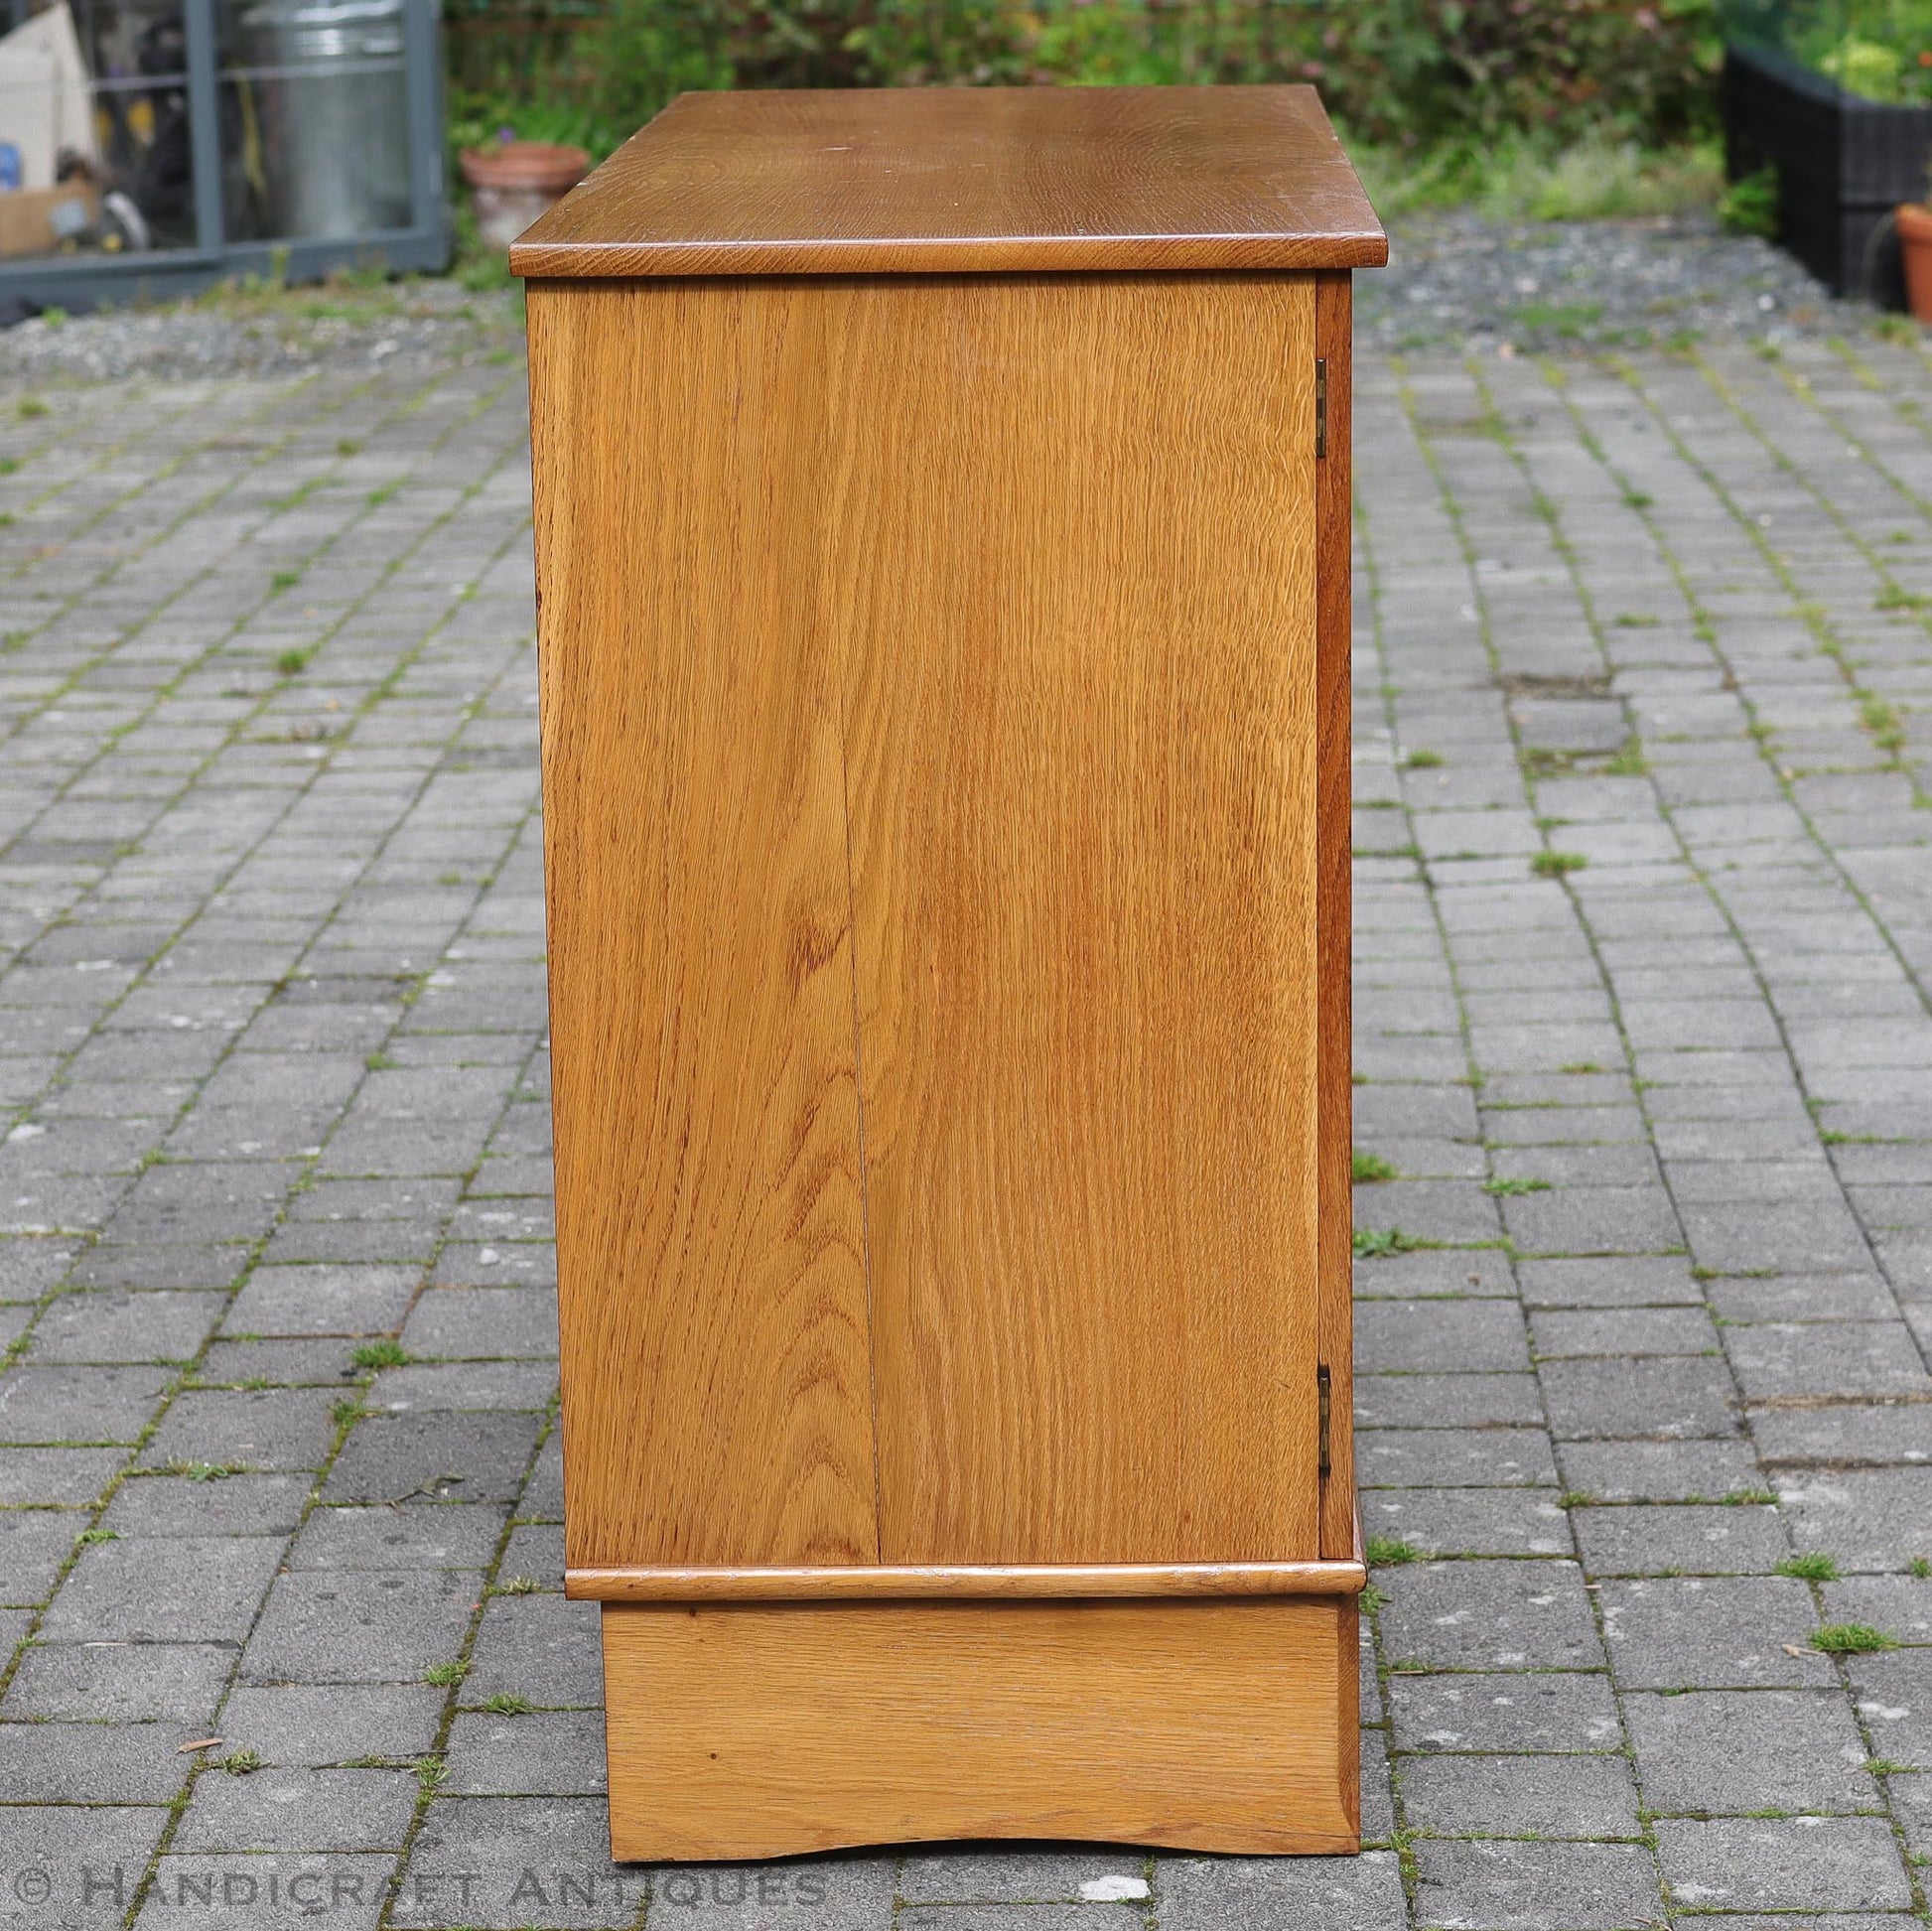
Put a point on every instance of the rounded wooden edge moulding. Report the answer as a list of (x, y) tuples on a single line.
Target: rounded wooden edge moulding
[(964, 1581)]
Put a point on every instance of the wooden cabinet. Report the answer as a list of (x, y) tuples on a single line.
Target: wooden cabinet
[(943, 542)]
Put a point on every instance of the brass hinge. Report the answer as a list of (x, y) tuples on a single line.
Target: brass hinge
[(1322, 1422), (1321, 425)]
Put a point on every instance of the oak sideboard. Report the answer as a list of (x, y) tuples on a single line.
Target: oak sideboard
[(942, 529)]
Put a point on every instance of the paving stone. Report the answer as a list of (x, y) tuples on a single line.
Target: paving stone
[(1749, 1750), (1828, 1864), (294, 1724), (264, 1431), (299, 1301), (1453, 1457), (1661, 1397), (126, 1683), (359, 1625), (268, 1893), (420, 1535), (539, 1648), (1661, 1471), (537, 1551), (1711, 1632), (479, 1324), (105, 1325), (1839, 1436), (1507, 1796), (1411, 1336), (1894, 1699), (1513, 1710), (445, 1457), (1410, 1401), (1812, 1358), (93, 1763), (1899, 1604), (1489, 1615), (465, 1384), (1505, 1886), (552, 1754), (543, 1859), (34, 1543), (1745, 1540), (285, 1808), (79, 1404), (195, 1589), (70, 1867), (323, 1363), (57, 1477), (1868, 1518), (1361, 1893), (1468, 1521), (177, 1505)]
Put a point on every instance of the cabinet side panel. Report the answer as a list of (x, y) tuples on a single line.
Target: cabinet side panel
[(1082, 783), (710, 1231), (1333, 937)]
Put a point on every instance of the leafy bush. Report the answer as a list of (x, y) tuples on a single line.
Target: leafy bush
[(1405, 74)]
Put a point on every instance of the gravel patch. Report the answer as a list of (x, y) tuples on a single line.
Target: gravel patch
[(1458, 279), (418, 323), (1454, 279)]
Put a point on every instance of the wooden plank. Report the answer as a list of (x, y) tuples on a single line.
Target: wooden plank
[(634, 1584), (1334, 329), (957, 180), (756, 1731), (1082, 789), (710, 1237)]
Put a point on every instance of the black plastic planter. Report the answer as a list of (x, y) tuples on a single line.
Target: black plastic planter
[(1844, 164)]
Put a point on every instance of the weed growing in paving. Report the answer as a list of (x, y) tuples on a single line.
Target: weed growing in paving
[(503, 1704), (1553, 865), (1921, 1567), (445, 1674), (292, 663), (1515, 1185), (1372, 1167), (1815, 1566), (1423, 760), (1850, 1639), (384, 1354), (240, 1763), (1388, 1552), (1371, 1243)]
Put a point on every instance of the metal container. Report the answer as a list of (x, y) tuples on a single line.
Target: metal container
[(335, 114)]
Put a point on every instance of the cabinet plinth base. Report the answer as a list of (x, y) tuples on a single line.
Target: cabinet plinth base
[(760, 1729)]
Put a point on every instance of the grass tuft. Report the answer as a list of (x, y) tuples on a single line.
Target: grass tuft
[(1553, 865), (1368, 1166), (1813, 1567), (1390, 1551), (384, 1354), (1850, 1639)]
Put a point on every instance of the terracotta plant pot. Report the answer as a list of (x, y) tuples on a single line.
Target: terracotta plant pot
[(511, 184), (1915, 246)]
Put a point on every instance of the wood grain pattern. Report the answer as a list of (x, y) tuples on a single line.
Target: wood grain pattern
[(958, 179), (1333, 709), (634, 1584), (1082, 775), (755, 1731), (710, 1227)]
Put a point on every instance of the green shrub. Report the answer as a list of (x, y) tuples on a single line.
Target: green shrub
[(1418, 78)]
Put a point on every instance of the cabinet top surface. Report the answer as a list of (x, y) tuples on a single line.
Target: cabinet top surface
[(967, 180)]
